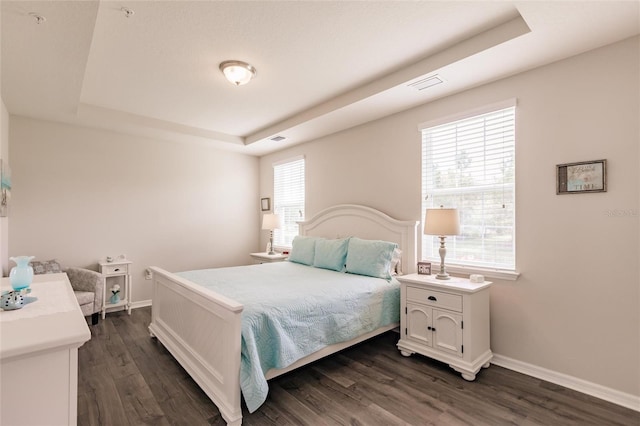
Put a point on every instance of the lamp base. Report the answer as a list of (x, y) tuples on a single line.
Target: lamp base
[(442, 275), (271, 252)]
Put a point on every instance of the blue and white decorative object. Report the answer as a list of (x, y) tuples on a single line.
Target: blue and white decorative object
[(115, 294), (11, 300), (21, 275)]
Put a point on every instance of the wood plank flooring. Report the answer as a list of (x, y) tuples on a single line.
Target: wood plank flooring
[(128, 378)]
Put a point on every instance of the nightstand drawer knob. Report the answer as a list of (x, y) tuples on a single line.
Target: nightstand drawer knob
[(432, 298), (117, 270)]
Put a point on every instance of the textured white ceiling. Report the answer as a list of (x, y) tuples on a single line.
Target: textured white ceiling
[(322, 65)]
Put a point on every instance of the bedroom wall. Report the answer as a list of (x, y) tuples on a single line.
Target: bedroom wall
[(80, 195), (574, 311), (4, 221)]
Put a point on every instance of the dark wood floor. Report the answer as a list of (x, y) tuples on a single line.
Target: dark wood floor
[(128, 378)]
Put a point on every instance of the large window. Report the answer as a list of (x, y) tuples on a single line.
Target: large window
[(288, 199), (470, 164)]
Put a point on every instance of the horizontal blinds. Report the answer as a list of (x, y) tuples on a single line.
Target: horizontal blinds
[(288, 199), (470, 164)]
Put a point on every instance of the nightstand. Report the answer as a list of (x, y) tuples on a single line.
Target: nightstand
[(114, 273), (447, 320), (268, 258)]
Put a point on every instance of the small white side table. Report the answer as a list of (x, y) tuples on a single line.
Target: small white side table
[(447, 320), (112, 271), (268, 258)]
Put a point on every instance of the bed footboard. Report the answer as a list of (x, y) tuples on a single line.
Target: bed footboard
[(202, 330)]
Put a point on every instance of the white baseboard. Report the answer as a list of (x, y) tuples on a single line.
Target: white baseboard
[(141, 304), (620, 398), (614, 396)]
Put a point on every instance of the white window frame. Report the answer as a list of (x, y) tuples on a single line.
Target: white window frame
[(288, 198), (430, 195)]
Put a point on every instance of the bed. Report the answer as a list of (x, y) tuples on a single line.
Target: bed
[(203, 328)]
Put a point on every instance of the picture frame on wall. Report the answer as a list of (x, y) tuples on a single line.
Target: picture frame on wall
[(581, 177), (5, 188), (265, 204), (424, 268)]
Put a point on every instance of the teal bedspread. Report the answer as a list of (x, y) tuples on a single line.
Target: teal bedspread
[(293, 310)]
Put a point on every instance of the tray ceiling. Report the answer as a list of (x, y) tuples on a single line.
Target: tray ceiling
[(322, 66)]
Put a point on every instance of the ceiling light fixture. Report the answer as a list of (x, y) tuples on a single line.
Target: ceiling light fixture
[(39, 18), (238, 72)]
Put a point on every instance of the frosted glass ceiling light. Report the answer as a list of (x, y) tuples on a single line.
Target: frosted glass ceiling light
[(238, 72)]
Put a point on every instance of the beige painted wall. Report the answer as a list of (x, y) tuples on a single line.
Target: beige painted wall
[(4, 221), (81, 194), (575, 308)]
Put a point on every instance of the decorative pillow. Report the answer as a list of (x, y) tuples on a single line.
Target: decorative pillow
[(47, 267), (370, 257), (303, 249), (331, 254), (396, 262)]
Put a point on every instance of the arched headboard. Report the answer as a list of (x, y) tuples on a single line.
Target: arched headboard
[(351, 220)]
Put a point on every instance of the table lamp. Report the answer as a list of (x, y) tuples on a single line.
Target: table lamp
[(271, 221), (442, 222)]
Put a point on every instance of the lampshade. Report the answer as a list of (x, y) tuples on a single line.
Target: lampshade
[(238, 72), (271, 221), (441, 222)]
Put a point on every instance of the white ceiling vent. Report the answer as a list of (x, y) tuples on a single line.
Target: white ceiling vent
[(277, 138), (427, 82)]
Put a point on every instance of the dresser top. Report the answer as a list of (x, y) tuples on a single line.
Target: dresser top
[(53, 320), (454, 283)]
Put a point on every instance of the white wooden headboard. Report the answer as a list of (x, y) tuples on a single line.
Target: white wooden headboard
[(351, 220)]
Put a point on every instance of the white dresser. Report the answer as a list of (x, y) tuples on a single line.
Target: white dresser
[(39, 355), (447, 320)]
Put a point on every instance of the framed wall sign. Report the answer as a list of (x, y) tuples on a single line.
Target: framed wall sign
[(265, 204), (5, 188), (586, 176), (424, 268)]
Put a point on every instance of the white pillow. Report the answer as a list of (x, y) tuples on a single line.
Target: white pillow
[(396, 262)]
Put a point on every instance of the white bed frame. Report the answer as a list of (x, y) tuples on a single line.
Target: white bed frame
[(201, 328)]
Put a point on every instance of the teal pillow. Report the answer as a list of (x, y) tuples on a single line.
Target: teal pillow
[(303, 250), (331, 254), (370, 257)]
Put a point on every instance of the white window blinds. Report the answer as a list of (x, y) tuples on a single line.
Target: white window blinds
[(288, 199), (470, 164)]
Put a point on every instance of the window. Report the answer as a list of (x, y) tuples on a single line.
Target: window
[(470, 164), (288, 199)]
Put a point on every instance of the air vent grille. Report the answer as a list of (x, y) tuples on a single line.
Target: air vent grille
[(277, 138), (426, 82)]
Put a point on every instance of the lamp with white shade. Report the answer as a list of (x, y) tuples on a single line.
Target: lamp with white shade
[(442, 222), (271, 221)]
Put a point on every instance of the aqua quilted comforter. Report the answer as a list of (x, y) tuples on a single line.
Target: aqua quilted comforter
[(293, 310)]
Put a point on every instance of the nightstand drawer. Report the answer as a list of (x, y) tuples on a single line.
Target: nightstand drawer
[(435, 298), (115, 269)]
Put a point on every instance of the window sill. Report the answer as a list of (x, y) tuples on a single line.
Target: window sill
[(500, 274)]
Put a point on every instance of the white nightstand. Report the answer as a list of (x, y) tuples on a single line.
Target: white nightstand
[(447, 320), (268, 258), (118, 270)]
